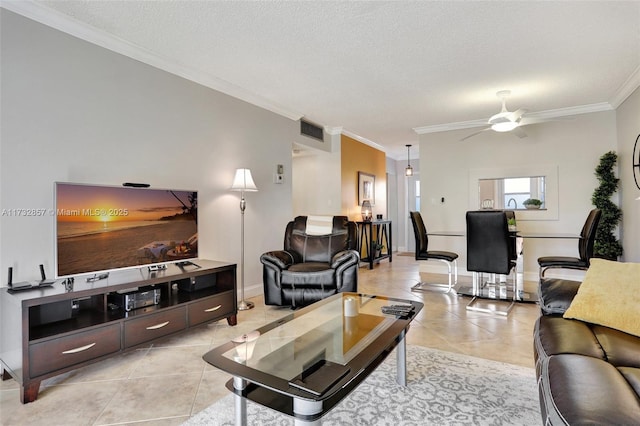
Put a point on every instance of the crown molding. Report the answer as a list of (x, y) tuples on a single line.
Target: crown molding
[(548, 114), (627, 88), (459, 125), (364, 140), (568, 111), (333, 130), (71, 26)]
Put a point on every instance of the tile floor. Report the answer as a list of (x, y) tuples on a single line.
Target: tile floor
[(167, 382)]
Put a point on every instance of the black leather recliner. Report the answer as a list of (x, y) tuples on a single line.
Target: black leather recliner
[(311, 267)]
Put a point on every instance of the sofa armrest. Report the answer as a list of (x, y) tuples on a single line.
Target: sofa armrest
[(344, 257), (280, 258), (556, 295)]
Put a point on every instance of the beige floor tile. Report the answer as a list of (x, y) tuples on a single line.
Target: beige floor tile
[(71, 405), (171, 361), (148, 398)]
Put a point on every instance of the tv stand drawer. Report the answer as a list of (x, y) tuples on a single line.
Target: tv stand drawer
[(152, 326), (56, 354), (211, 308)]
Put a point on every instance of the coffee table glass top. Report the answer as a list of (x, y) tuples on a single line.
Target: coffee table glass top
[(345, 329)]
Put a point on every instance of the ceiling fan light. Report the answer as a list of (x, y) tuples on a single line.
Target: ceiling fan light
[(504, 127)]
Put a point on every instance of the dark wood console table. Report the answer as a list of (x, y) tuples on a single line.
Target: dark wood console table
[(369, 235), (50, 330)]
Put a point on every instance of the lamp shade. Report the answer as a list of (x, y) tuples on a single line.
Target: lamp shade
[(243, 181), (408, 171), (367, 214)]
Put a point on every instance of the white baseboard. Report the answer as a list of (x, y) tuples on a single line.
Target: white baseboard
[(252, 290)]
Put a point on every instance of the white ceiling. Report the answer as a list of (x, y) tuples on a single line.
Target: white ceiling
[(382, 71)]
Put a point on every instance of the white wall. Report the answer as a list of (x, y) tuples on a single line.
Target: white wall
[(573, 146), (317, 180), (72, 111), (628, 127)]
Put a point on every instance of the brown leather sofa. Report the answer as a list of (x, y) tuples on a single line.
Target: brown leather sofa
[(587, 373), (311, 267)]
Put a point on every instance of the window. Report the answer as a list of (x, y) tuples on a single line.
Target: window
[(510, 193)]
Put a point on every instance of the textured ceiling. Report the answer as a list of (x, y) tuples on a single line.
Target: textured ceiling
[(380, 69)]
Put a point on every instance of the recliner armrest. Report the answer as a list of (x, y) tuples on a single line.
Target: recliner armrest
[(280, 258), (556, 294), (345, 256)]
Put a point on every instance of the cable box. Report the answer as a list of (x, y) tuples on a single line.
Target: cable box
[(139, 298), (199, 282)]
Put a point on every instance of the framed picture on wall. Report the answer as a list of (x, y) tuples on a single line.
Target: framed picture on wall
[(366, 188)]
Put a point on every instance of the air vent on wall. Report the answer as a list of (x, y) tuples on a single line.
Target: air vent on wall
[(311, 130)]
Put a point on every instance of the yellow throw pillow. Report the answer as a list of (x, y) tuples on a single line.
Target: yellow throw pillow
[(609, 296)]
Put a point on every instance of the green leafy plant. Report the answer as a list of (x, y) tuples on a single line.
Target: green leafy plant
[(532, 202), (607, 245), (377, 245)]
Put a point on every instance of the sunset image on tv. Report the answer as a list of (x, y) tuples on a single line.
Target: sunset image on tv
[(100, 228)]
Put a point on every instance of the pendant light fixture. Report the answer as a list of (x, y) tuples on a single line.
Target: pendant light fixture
[(408, 171)]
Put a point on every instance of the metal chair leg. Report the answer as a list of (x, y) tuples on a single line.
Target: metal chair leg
[(477, 288), (424, 286)]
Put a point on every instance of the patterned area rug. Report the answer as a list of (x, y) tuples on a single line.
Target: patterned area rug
[(443, 388)]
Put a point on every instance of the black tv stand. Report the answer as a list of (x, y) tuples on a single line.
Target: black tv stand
[(61, 328), (187, 263)]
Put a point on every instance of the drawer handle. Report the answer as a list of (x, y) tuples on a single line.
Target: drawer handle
[(215, 308), (80, 349), (157, 326)]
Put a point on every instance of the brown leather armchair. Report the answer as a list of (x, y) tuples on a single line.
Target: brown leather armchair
[(315, 262)]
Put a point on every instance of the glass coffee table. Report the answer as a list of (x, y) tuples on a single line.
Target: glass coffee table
[(307, 362)]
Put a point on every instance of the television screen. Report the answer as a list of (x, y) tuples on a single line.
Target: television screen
[(102, 228)]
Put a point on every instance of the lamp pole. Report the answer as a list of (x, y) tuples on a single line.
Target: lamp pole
[(243, 305)]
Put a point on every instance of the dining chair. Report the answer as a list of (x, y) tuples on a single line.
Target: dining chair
[(422, 253), (490, 249), (585, 248)]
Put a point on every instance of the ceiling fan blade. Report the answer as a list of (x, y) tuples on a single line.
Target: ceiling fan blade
[(476, 133), (517, 114), (519, 132)]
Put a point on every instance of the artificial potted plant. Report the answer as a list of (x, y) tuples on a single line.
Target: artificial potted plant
[(377, 248), (532, 203), (607, 245)]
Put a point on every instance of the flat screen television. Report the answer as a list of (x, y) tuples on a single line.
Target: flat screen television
[(102, 228)]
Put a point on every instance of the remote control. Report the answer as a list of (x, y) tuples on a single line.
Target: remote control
[(398, 310), (403, 307)]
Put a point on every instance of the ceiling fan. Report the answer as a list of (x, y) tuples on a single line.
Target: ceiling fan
[(506, 121)]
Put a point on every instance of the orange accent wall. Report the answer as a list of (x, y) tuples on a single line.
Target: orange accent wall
[(358, 157)]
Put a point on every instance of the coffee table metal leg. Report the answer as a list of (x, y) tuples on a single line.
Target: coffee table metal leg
[(401, 360), (240, 401), (308, 408)]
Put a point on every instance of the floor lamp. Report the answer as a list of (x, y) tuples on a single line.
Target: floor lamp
[(243, 182)]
